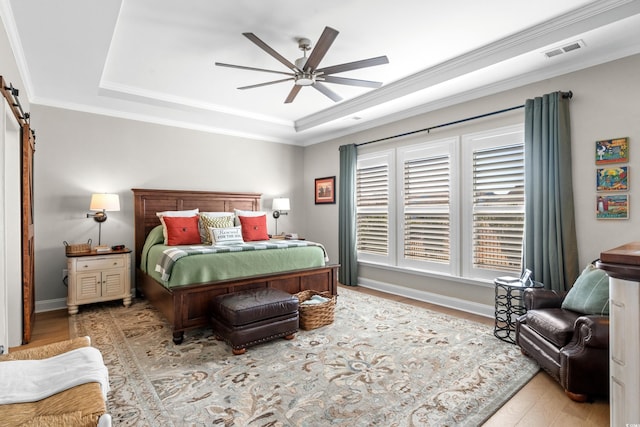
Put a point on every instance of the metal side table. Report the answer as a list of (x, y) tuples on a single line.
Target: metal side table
[(509, 305)]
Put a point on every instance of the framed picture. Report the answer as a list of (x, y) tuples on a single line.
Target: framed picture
[(612, 151), (612, 206), (612, 179), (325, 190)]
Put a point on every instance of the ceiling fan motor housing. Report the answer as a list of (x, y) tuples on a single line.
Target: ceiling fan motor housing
[(304, 44)]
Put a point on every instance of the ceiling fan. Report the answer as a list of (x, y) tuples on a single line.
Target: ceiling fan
[(305, 71)]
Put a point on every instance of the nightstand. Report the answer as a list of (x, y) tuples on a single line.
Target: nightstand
[(96, 277)]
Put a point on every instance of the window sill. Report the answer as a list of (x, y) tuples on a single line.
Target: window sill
[(477, 282)]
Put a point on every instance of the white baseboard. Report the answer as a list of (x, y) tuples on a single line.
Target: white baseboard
[(51, 305), (442, 300), (445, 301)]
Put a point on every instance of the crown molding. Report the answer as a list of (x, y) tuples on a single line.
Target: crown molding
[(6, 14), (120, 91), (149, 118), (590, 16), (471, 95)]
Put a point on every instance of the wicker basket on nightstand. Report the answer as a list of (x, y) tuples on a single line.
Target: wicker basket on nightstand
[(316, 315), (77, 248)]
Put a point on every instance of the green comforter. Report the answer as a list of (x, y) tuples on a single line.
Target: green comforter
[(200, 268)]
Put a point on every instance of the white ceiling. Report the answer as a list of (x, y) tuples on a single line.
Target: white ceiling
[(153, 60)]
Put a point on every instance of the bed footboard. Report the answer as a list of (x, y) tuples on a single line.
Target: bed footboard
[(187, 307)]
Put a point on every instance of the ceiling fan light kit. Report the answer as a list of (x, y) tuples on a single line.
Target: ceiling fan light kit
[(305, 71), (305, 79)]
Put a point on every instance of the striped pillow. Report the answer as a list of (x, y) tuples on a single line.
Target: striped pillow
[(215, 220)]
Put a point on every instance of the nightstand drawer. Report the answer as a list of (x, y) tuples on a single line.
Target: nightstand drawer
[(100, 263)]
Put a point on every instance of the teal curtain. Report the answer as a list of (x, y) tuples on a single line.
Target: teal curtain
[(550, 246), (347, 256)]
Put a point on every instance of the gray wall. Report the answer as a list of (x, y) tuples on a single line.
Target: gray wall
[(81, 153), (605, 105)]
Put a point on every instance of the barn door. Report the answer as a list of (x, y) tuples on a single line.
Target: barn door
[(28, 264)]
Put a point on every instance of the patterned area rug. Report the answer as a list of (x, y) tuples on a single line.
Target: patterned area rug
[(381, 363)]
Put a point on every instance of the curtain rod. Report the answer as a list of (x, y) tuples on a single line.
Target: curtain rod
[(565, 95)]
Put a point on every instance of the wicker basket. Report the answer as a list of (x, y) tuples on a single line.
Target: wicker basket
[(77, 248), (316, 315)]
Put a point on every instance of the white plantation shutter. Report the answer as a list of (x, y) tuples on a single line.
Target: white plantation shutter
[(428, 187), (493, 165), (426, 209), (452, 206), (498, 207), (373, 201)]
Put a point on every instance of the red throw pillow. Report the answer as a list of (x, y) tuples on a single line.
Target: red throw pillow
[(254, 228), (182, 230)]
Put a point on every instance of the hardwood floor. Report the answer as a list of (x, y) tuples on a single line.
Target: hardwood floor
[(541, 402), (49, 327)]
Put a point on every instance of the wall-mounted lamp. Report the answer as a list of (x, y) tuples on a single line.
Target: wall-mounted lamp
[(102, 203), (279, 207)]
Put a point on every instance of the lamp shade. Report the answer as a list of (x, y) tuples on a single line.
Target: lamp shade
[(281, 204), (104, 202)]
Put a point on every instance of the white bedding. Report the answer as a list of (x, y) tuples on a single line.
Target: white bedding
[(33, 380)]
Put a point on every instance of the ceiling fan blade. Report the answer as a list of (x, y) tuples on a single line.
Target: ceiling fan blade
[(262, 45), (326, 91), (320, 50), (242, 67), (292, 94), (340, 68), (266, 83), (351, 82)]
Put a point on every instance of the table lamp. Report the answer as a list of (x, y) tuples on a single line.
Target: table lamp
[(102, 203), (280, 206)]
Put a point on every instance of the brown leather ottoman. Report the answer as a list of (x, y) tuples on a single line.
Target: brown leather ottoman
[(251, 317)]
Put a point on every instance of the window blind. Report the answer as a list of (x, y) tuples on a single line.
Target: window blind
[(372, 200), (426, 198), (498, 207)]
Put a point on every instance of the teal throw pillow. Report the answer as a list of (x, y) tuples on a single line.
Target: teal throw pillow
[(590, 293)]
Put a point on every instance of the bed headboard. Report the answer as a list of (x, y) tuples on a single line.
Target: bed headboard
[(147, 202)]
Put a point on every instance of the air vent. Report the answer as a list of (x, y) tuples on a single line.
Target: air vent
[(554, 52), (564, 49)]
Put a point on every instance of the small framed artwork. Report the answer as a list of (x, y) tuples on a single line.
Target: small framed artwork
[(612, 151), (612, 179), (612, 206), (325, 190)]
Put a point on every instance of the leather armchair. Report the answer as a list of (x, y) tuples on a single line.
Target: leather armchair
[(573, 348)]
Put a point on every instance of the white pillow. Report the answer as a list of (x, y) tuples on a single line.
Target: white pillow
[(186, 213), (226, 236), (238, 213)]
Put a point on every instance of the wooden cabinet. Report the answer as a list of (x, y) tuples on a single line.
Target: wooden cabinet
[(96, 277), (622, 264)]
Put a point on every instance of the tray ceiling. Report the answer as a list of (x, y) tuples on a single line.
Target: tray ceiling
[(151, 60)]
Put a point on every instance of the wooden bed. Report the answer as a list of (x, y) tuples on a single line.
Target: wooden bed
[(187, 307)]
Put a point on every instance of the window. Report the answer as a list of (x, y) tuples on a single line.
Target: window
[(495, 191), (373, 203), (428, 205), (459, 210)]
